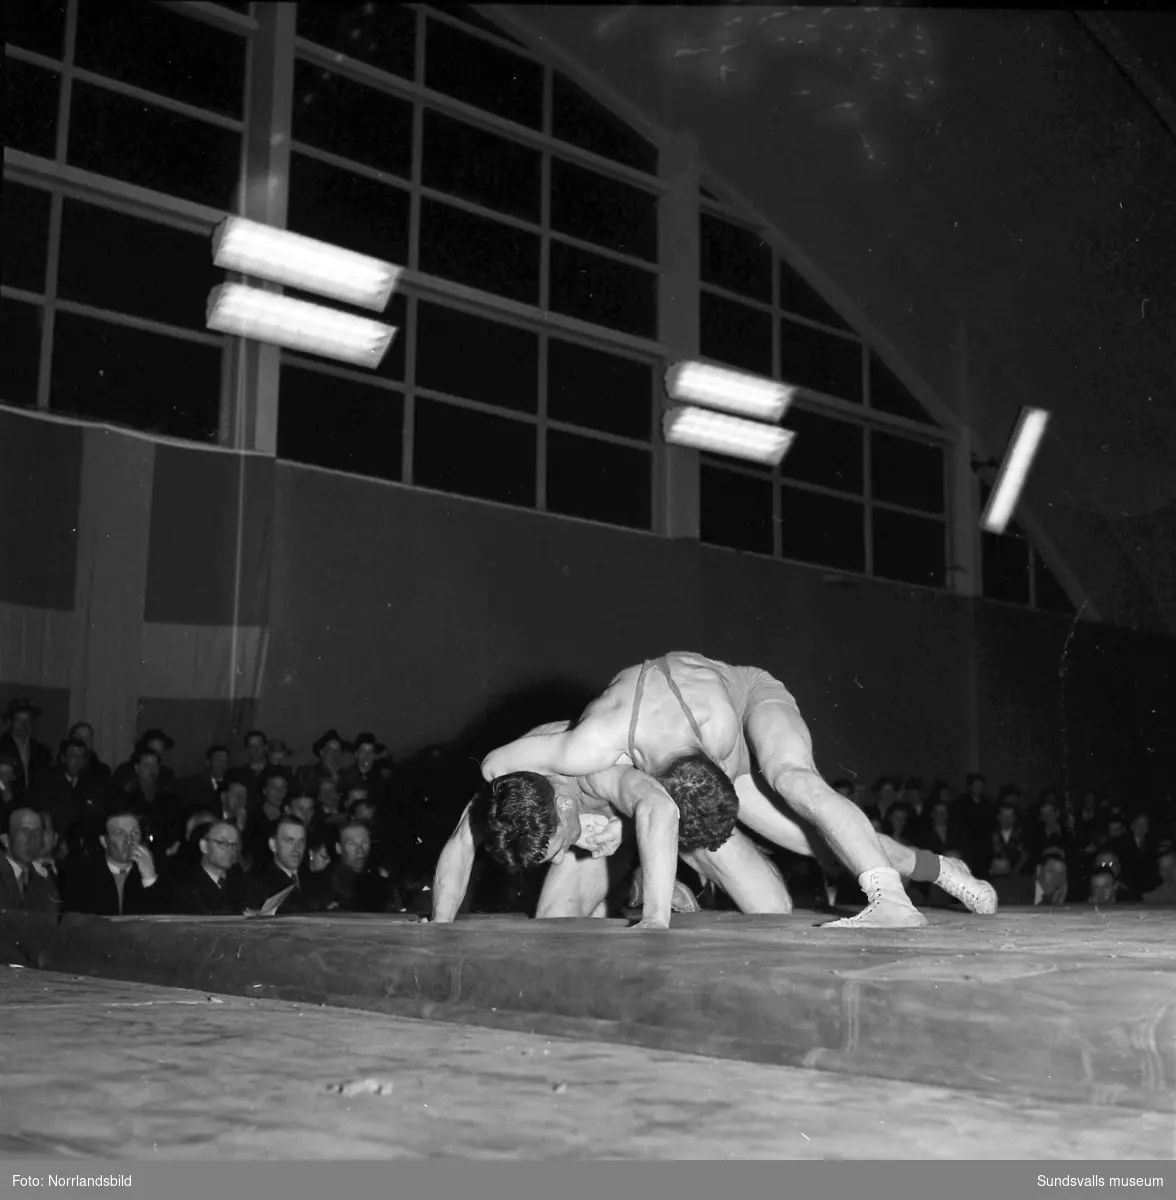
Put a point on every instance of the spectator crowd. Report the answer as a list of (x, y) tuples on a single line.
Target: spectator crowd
[(350, 830)]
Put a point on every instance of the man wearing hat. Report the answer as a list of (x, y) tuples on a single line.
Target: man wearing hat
[(156, 742), (277, 754), (364, 771), (31, 756), (256, 762), (329, 751)]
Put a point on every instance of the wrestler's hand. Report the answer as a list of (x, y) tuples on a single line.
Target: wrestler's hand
[(649, 923), (599, 835)]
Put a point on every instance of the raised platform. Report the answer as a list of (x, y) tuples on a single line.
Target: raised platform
[(1060, 1005)]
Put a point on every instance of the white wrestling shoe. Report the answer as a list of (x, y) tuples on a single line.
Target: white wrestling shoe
[(889, 906), (956, 880)]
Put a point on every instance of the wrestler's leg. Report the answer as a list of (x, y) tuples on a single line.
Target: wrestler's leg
[(576, 887), (745, 873), (783, 749)]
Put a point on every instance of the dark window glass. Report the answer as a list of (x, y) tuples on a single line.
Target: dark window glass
[(477, 359), (597, 480), (1049, 593), (581, 120), (826, 452), (735, 510), (119, 136), (35, 25), (602, 291), (607, 212), (910, 549), (25, 235), (149, 381), (383, 35), (339, 423), (345, 118), (163, 51), (821, 362), (1005, 568), (906, 472), (31, 94), (479, 252), (736, 259), (486, 76), (143, 268), (473, 453), (735, 334), (481, 167), (799, 297), (22, 351), (888, 394), (348, 210), (468, 15), (822, 530), (597, 390)]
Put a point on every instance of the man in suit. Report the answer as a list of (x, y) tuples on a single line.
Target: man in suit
[(364, 771), (73, 798), (256, 761), (156, 742), (217, 887), (25, 885), (352, 885), (31, 756), (151, 798), (288, 846), (123, 882), (204, 791)]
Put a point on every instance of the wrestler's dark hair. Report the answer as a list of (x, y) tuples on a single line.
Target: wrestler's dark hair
[(522, 819), (706, 800)]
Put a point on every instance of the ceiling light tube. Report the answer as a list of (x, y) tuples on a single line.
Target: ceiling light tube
[(723, 434), (1015, 469), (738, 392)]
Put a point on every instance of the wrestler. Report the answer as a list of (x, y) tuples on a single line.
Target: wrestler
[(695, 735)]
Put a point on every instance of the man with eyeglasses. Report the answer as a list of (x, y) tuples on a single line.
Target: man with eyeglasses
[(217, 887), (123, 882)]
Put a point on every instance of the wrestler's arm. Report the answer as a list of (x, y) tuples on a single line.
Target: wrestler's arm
[(584, 750), (452, 875)]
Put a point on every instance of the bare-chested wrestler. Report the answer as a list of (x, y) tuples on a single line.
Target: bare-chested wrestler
[(691, 724)]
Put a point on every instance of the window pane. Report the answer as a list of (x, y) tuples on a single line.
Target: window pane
[(383, 35), (473, 453), (1050, 595), (822, 530), (462, 65), (602, 291), (26, 236), (31, 95), (149, 381), (911, 549), (736, 259), (597, 480), (736, 510), (821, 362), (163, 51), (826, 452), (140, 267), (348, 210), (601, 391), (479, 252), (481, 167), (22, 352), (1005, 568), (477, 359), (888, 394), (607, 212), (35, 25), (350, 120), (735, 334), (798, 296), (906, 472), (468, 15), (339, 423), (127, 139), (580, 120)]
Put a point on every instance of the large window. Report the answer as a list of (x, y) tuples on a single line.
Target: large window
[(1013, 571)]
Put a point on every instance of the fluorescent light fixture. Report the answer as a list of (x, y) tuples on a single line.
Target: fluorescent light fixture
[(283, 321), (303, 263), (1015, 469), (722, 434), (734, 391)]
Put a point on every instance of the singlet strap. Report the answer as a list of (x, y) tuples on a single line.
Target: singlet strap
[(664, 667), (636, 712)]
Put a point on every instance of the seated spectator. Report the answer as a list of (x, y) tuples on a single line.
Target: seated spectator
[(1137, 853), (1103, 887), (320, 857), (218, 886), (25, 886), (1047, 830), (303, 807), (275, 786), (1051, 877), (329, 751), (156, 742), (187, 858), (363, 771), (53, 850), (1166, 869), (1008, 854), (1107, 862), (286, 869), (123, 882), (204, 790), (885, 794), (9, 786), (83, 731), (899, 823), (939, 832), (74, 799), (351, 885), (325, 790), (256, 763), (151, 798), (278, 754), (18, 741)]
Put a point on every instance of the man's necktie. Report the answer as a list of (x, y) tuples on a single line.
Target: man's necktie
[(22, 880)]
